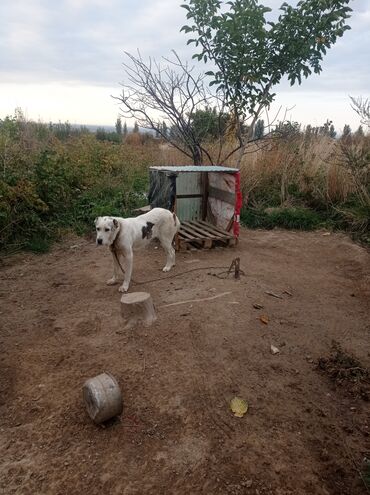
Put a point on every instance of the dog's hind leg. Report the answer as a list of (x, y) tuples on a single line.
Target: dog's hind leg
[(170, 252)]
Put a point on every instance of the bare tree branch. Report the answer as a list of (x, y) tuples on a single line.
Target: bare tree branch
[(175, 94)]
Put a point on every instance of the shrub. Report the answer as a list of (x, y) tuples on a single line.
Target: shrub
[(289, 218), (50, 184)]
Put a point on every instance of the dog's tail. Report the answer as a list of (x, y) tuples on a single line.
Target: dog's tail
[(176, 221)]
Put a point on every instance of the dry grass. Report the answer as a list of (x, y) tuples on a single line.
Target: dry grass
[(313, 167)]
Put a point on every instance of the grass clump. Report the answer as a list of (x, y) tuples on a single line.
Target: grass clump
[(287, 217)]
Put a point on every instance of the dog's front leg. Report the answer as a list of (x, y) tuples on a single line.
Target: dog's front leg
[(128, 271), (116, 270)]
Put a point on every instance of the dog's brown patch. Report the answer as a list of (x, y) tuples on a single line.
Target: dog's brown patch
[(147, 230)]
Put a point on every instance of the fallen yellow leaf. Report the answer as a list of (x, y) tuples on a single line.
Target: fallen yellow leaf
[(264, 319), (239, 406)]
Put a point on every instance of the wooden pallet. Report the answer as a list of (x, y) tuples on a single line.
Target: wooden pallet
[(202, 234)]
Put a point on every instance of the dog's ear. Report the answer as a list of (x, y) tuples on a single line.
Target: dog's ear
[(96, 221), (115, 222)]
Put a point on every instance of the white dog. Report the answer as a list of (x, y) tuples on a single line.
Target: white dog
[(123, 235)]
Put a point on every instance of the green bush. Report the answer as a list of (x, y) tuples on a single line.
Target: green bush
[(49, 184), (289, 218)]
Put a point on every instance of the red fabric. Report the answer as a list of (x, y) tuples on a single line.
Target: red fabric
[(238, 205)]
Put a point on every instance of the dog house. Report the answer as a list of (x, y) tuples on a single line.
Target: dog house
[(206, 199)]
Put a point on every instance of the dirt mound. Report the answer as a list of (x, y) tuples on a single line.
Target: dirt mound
[(346, 371)]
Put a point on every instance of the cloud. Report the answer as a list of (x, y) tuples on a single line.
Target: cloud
[(81, 43)]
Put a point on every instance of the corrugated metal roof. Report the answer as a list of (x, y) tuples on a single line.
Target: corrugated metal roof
[(197, 168)]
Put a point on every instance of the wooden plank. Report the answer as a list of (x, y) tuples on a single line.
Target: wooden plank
[(182, 233), (212, 231), (213, 227), (220, 234), (191, 226), (217, 229), (202, 231), (197, 235), (202, 235), (190, 233)]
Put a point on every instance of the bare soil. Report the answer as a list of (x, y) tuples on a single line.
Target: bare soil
[(303, 433)]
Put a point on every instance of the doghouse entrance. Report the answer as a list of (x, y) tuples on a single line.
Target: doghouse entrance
[(206, 200)]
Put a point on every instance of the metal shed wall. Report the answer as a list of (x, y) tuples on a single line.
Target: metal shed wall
[(189, 197)]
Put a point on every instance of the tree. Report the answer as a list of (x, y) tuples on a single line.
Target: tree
[(164, 130), (171, 90), (259, 129), (208, 124), (119, 126), (324, 130), (346, 131), (101, 134), (136, 127), (309, 131), (251, 55), (288, 130), (362, 108), (332, 131), (124, 132), (360, 132)]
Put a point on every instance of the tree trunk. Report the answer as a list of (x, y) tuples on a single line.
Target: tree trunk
[(137, 307), (197, 156)]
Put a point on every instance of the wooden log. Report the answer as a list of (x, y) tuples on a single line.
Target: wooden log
[(137, 307), (102, 397)]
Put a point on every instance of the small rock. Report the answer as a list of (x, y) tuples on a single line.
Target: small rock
[(274, 350), (249, 483)]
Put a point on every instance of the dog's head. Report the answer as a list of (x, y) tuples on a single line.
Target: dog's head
[(106, 230)]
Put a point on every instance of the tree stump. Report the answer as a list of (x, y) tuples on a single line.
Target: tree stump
[(102, 397), (137, 307)]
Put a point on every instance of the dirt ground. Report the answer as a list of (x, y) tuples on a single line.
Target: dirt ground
[(303, 434)]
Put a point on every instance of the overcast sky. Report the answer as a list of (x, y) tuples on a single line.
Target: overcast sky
[(62, 60)]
